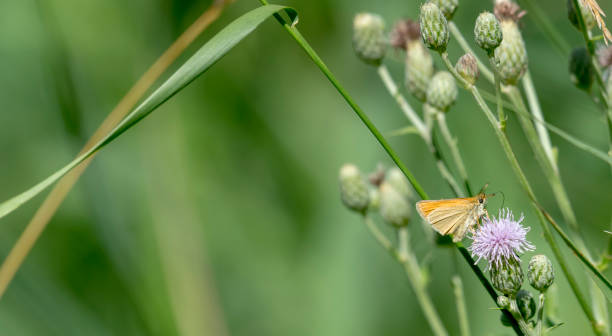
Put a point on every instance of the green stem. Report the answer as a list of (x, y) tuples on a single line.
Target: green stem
[(423, 129), (540, 315), (452, 144), (466, 48), (498, 95), (464, 325), (536, 110), (517, 315)]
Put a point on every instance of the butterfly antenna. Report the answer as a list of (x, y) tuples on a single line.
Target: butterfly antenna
[(483, 188), (503, 198)]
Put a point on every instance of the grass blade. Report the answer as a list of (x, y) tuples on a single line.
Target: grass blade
[(201, 61)]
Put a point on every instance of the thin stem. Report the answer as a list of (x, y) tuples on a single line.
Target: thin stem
[(466, 48), (424, 129), (498, 95), (464, 325), (540, 315), (517, 315), (452, 144), (536, 110)]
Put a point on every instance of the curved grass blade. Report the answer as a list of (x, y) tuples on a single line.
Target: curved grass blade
[(561, 133), (201, 61)]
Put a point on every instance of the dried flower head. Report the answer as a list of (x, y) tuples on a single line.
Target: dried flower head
[(593, 6), (500, 239), (508, 10), (404, 32)]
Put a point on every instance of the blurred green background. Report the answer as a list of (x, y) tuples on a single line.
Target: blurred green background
[(220, 213)]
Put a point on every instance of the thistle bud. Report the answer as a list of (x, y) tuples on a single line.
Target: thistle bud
[(511, 55), (581, 69), (418, 70), (526, 304), (448, 7), (467, 67), (404, 32), (394, 208), (434, 27), (540, 272), (368, 38), (354, 189), (587, 15), (488, 32), (442, 91), (507, 277), (503, 302), (398, 181)]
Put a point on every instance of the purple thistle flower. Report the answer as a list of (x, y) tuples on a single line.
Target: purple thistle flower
[(500, 239)]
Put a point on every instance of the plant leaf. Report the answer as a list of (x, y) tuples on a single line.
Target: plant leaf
[(202, 60)]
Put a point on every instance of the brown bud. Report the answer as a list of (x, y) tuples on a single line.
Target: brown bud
[(508, 10), (405, 31)]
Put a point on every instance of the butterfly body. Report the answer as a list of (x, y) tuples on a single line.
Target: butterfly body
[(453, 216)]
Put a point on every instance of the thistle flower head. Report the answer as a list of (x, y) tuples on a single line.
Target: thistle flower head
[(467, 67), (511, 55), (488, 32), (442, 91), (404, 32), (369, 40), (508, 10), (540, 272), (354, 189), (418, 70), (434, 27), (448, 7), (394, 207), (604, 56), (500, 239)]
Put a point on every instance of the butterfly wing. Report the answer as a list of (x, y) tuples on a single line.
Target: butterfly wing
[(451, 216)]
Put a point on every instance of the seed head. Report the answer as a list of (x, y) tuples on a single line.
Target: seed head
[(448, 7), (354, 189), (467, 67), (404, 32), (581, 69), (442, 91), (434, 27), (526, 304), (418, 70), (488, 32), (369, 38), (540, 272), (394, 207), (500, 239), (511, 55)]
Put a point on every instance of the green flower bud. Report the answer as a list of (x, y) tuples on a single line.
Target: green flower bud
[(507, 277), (434, 27), (526, 304), (540, 272), (394, 208), (587, 15), (369, 39), (354, 189), (488, 32), (581, 69), (418, 70), (448, 7), (398, 181), (442, 91), (511, 55), (503, 302), (467, 67)]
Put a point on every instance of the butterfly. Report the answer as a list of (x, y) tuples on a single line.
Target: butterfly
[(455, 215)]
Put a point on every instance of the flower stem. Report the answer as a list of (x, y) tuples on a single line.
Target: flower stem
[(540, 315), (464, 325), (405, 257), (452, 144), (423, 129), (519, 318), (498, 95)]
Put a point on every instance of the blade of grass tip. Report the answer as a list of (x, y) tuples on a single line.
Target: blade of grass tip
[(561, 133), (197, 64)]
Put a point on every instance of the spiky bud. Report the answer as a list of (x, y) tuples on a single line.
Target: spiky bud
[(398, 181), (448, 7), (540, 272), (467, 68), (394, 207), (581, 69), (507, 277), (442, 91), (526, 304), (418, 70), (354, 189), (587, 15), (503, 302), (511, 55), (369, 38), (488, 32), (434, 27)]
